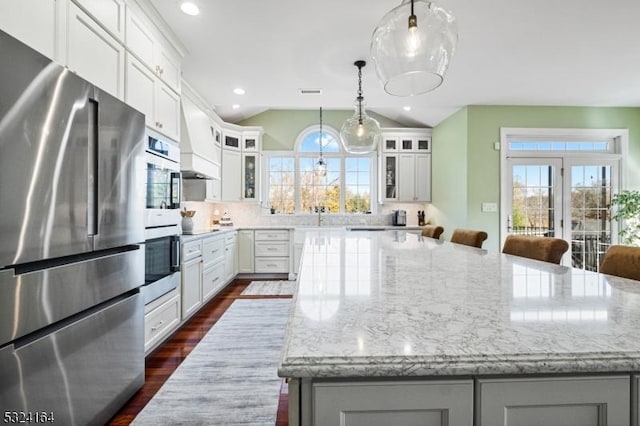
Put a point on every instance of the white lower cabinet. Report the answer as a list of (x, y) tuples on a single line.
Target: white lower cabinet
[(160, 319), (432, 403), (213, 280), (230, 257), (635, 407), (567, 401), (271, 251), (246, 251), (191, 284)]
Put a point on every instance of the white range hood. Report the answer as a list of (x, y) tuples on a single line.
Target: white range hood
[(199, 158)]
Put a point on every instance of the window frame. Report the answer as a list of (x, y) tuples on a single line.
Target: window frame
[(296, 154)]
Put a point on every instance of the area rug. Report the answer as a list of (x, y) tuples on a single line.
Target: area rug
[(230, 378), (269, 288)]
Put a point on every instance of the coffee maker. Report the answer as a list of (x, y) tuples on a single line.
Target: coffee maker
[(399, 218)]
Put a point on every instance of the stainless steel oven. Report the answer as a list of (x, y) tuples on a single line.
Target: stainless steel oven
[(162, 264), (162, 182)]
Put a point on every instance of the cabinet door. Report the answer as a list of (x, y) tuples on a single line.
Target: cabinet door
[(191, 284), (110, 13), (390, 177), (231, 175), (245, 252), (167, 66), (94, 54), (212, 281), (140, 40), (167, 111), (229, 262), (437, 403), (406, 177), (33, 22), (140, 88), (250, 174), (423, 177), (569, 401)]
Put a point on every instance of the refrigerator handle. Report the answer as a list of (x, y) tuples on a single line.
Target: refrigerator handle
[(92, 180), (175, 253), (174, 190)]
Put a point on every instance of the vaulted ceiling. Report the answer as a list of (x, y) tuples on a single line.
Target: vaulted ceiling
[(510, 52)]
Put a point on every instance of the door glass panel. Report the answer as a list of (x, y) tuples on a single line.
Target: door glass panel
[(532, 203), (590, 216)]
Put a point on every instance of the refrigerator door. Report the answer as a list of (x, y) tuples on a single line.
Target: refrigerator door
[(44, 113), (121, 171)]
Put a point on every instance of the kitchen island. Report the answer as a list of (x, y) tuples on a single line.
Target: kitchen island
[(392, 328)]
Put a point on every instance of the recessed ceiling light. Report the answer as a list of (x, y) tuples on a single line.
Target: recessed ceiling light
[(238, 91), (235, 106), (406, 108), (190, 8)]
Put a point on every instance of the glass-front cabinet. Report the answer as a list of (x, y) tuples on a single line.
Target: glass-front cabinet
[(390, 177), (250, 173)]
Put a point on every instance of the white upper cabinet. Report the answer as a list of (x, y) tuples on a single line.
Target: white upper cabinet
[(31, 21), (93, 53), (148, 46), (146, 93), (110, 14), (140, 89)]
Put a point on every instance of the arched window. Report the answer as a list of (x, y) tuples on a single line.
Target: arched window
[(293, 186)]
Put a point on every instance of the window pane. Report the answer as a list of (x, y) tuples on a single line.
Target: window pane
[(358, 191), (281, 185), (311, 143)]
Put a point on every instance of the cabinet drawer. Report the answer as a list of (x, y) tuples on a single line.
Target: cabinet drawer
[(159, 322), (212, 250), (272, 235), (271, 264), (272, 249), (212, 281), (230, 238), (191, 250)]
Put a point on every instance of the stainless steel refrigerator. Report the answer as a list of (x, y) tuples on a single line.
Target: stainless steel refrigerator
[(71, 218)]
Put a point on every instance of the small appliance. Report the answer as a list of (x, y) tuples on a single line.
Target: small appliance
[(399, 218)]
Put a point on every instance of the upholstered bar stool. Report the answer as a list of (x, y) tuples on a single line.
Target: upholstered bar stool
[(546, 249), (622, 261), (432, 231), (468, 237)]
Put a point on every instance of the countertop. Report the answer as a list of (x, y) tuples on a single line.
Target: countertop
[(395, 304)]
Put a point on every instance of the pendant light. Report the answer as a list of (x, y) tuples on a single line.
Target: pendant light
[(411, 57), (320, 168), (360, 134)]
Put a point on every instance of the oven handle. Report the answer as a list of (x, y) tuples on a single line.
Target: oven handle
[(175, 253), (174, 190)]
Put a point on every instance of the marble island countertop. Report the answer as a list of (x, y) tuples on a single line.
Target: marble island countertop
[(395, 304)]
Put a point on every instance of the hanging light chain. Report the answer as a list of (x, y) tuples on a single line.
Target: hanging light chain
[(360, 64), (320, 133)]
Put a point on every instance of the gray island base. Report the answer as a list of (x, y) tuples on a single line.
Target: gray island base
[(388, 328)]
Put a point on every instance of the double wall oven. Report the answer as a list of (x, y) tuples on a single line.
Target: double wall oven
[(162, 221)]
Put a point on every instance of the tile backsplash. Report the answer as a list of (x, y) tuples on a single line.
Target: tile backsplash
[(251, 214)]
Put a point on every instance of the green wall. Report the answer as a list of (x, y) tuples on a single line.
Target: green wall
[(483, 125), (449, 173), (282, 127)]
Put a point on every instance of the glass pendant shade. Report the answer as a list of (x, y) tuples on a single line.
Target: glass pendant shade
[(360, 134), (411, 52), (320, 168)]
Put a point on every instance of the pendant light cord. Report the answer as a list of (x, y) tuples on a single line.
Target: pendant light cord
[(320, 142), (360, 94)]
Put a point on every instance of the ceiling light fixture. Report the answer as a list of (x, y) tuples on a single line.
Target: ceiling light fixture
[(406, 108), (320, 168), (239, 91), (235, 106), (412, 58), (190, 8), (360, 133)]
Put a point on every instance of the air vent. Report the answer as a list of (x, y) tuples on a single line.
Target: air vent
[(311, 91)]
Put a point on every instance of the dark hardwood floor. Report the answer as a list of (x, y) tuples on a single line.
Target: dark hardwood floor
[(162, 362)]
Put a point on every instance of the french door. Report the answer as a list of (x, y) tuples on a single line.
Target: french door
[(566, 197)]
